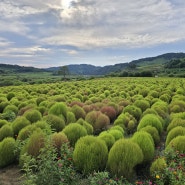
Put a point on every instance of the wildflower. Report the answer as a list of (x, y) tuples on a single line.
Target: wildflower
[(157, 177), (150, 183), (174, 172)]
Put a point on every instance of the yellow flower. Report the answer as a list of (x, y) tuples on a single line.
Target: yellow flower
[(174, 172), (157, 177)]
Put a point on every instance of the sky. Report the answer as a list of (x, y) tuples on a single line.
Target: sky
[(48, 33)]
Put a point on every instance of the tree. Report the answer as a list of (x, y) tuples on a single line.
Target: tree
[(63, 70)]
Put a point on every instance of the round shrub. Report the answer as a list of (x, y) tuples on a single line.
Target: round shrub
[(42, 110), (58, 139), (131, 127), (158, 166), (33, 115), (142, 104), (177, 106), (58, 109), (165, 97), (177, 144), (7, 154), (161, 108), (98, 120), (149, 111), (122, 158), (117, 134), (134, 111), (12, 108), (108, 138), (6, 131), (146, 143), (176, 122), (178, 115), (122, 120), (56, 122), (70, 118), (86, 125), (153, 132), (154, 94), (19, 123), (3, 122), (10, 95), (3, 105), (23, 109), (90, 154), (25, 132), (78, 112), (117, 127), (152, 120), (44, 126), (39, 100), (74, 131), (35, 143), (109, 111), (177, 131)]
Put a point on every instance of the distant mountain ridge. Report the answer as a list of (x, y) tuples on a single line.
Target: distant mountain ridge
[(148, 63), (86, 69)]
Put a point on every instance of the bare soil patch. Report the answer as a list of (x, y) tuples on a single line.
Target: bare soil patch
[(10, 175)]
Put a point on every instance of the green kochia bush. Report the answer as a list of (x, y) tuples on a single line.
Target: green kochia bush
[(90, 154), (6, 131), (70, 117), (58, 109), (142, 104), (117, 127), (158, 166), (108, 138), (117, 134), (56, 122), (74, 131), (78, 112), (146, 143), (7, 154), (86, 125), (12, 108), (177, 144), (134, 111), (152, 120), (3, 122), (177, 131), (19, 123), (123, 157), (33, 115), (175, 122), (25, 132), (33, 146), (153, 132)]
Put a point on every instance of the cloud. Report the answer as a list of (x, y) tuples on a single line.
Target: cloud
[(76, 28)]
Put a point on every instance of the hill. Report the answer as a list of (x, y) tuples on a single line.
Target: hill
[(7, 68), (155, 65)]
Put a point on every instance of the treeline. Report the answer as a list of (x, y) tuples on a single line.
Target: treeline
[(176, 63), (133, 74)]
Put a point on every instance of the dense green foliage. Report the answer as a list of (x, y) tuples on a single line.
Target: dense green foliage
[(122, 158), (90, 154)]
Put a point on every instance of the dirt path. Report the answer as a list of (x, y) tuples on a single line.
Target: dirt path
[(10, 175)]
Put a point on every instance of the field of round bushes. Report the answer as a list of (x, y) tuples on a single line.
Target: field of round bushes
[(128, 127)]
